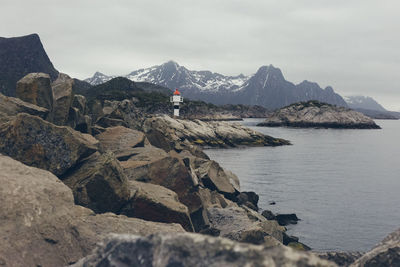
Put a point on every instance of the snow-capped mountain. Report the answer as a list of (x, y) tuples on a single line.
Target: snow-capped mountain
[(267, 87), (363, 102), (99, 78)]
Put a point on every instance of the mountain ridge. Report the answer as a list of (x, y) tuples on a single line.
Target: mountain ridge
[(267, 87)]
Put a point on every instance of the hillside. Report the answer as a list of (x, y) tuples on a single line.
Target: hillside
[(20, 56)]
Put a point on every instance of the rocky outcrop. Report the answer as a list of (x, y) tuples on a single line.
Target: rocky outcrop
[(35, 88), (41, 226), (168, 133), (386, 253), (99, 183), (321, 115), (41, 144), (188, 249), (156, 203)]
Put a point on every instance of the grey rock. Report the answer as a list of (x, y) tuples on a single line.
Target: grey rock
[(240, 225), (121, 141), (41, 144), (41, 226), (188, 249), (63, 97), (156, 203), (35, 88), (11, 106), (268, 215), (98, 183)]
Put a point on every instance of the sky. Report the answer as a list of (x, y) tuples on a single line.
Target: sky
[(351, 45)]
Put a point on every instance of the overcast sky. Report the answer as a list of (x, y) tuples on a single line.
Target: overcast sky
[(352, 45)]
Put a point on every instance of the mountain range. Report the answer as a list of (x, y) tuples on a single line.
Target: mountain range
[(267, 87)]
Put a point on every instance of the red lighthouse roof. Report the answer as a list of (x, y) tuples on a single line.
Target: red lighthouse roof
[(177, 92)]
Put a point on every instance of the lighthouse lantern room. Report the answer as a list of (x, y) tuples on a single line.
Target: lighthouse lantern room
[(176, 98)]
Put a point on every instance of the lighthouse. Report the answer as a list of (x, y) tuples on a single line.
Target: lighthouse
[(176, 99)]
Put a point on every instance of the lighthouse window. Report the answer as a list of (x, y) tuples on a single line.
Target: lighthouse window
[(176, 107)]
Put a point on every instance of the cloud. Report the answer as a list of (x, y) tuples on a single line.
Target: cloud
[(351, 45)]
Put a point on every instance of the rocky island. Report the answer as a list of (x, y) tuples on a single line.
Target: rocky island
[(318, 115)]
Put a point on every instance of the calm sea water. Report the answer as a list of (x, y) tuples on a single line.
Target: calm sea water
[(344, 185)]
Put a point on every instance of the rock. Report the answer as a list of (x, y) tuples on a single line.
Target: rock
[(188, 249), (166, 132), (285, 219), (170, 173), (137, 166), (341, 258), (98, 183), (386, 253), (11, 106), (268, 215), (249, 199), (233, 179), (41, 226), (214, 177), (289, 239), (272, 202), (35, 88), (79, 102), (234, 223), (121, 141), (298, 246), (41, 144), (317, 114), (156, 203), (63, 97), (106, 122)]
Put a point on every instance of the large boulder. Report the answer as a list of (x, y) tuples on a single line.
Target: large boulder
[(156, 203), (35, 88), (11, 106), (137, 166), (386, 253), (243, 225), (188, 249), (41, 144), (98, 182), (63, 97), (214, 177), (41, 226), (121, 141)]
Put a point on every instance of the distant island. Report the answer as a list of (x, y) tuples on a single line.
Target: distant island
[(321, 115)]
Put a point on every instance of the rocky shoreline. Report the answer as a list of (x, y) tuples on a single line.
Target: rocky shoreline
[(314, 114), (74, 172)]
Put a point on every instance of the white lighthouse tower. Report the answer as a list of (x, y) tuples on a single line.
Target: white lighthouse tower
[(176, 99)]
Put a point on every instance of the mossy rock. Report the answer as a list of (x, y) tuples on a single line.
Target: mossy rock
[(299, 246)]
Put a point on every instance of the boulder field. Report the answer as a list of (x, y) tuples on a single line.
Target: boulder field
[(75, 171)]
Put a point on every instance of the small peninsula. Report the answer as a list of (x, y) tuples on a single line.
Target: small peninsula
[(315, 114)]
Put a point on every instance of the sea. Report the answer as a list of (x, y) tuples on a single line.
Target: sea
[(344, 185)]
